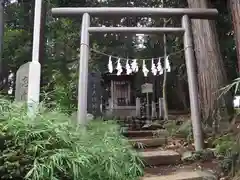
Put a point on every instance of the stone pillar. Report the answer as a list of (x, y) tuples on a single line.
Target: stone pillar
[(153, 109), (138, 107), (160, 104), (112, 94)]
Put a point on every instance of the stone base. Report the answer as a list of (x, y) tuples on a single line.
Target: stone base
[(148, 142), (153, 158), (188, 175), (146, 133)]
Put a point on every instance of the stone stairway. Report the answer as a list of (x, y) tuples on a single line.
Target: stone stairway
[(149, 144)]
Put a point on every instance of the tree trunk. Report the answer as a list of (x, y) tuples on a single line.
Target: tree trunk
[(235, 11), (181, 93), (165, 103), (210, 67)]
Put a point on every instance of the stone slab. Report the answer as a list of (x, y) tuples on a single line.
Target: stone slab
[(159, 157), (188, 175), (148, 142), (145, 133), (28, 85)]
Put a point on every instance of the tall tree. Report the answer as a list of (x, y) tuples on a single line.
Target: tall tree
[(210, 66), (235, 11)]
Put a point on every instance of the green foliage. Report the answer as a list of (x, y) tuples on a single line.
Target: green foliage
[(229, 163), (171, 127), (203, 155), (228, 146), (224, 144), (63, 94), (184, 130), (51, 147), (229, 87), (228, 149)]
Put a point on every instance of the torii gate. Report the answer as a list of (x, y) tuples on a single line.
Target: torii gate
[(186, 14)]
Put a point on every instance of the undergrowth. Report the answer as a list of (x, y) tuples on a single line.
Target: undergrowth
[(184, 130), (228, 151), (51, 147), (228, 146)]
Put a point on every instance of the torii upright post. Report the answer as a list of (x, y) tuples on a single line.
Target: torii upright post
[(34, 74), (83, 70), (192, 83)]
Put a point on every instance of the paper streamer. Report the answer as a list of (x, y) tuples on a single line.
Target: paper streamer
[(154, 68), (119, 67), (110, 65), (128, 68), (159, 67), (134, 66), (144, 69)]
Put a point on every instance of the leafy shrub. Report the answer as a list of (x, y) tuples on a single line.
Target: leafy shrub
[(61, 92), (203, 155), (171, 127), (228, 148), (184, 130), (224, 144), (229, 145), (52, 147)]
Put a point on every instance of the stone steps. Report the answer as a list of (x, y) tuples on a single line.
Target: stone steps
[(159, 157), (156, 157), (148, 142), (146, 133), (183, 175), (151, 155)]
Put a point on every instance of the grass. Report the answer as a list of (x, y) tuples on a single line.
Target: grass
[(52, 147)]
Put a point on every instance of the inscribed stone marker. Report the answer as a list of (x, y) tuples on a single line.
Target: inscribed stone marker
[(28, 85), (21, 91), (94, 93), (147, 88)]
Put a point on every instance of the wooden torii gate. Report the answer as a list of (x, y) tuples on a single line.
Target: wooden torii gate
[(186, 14)]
